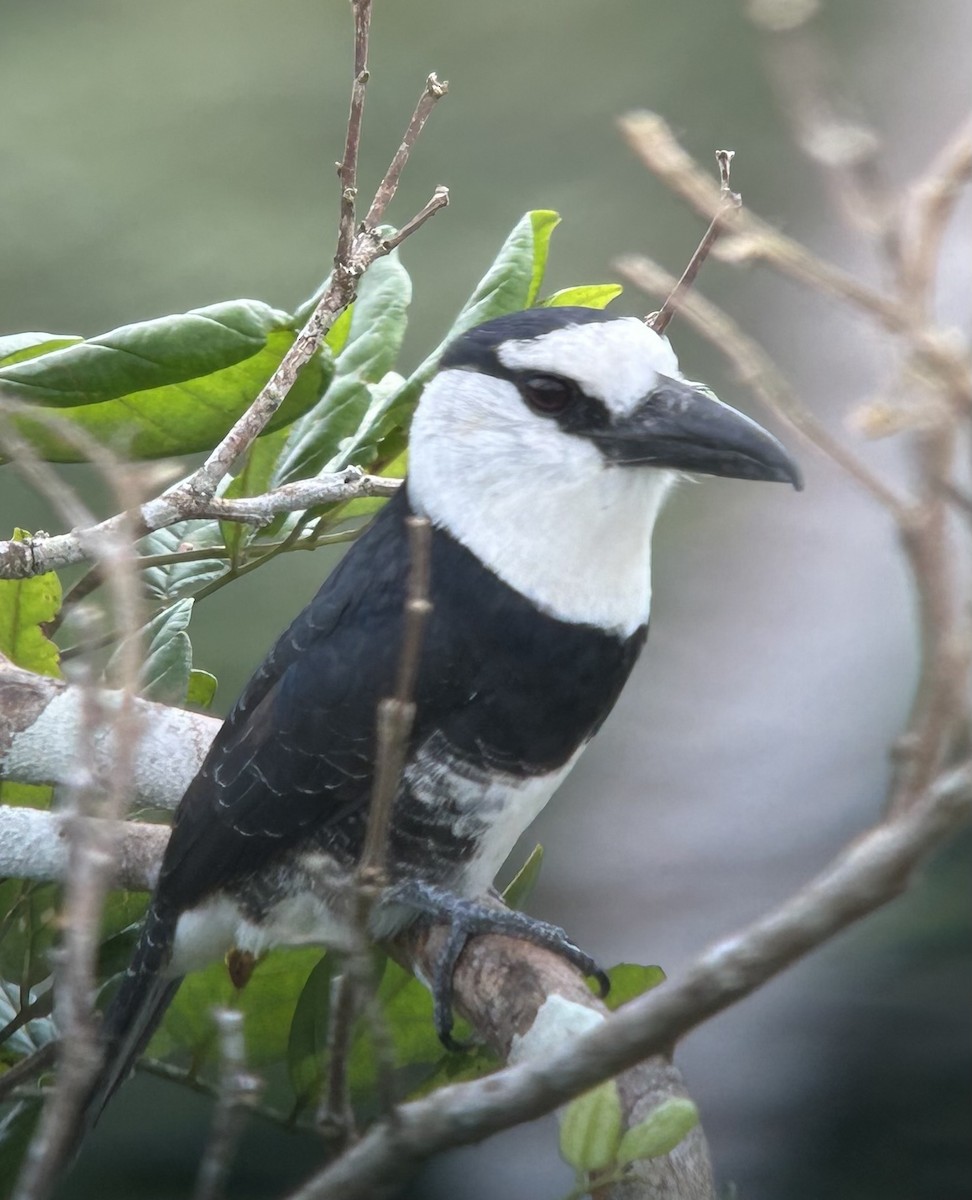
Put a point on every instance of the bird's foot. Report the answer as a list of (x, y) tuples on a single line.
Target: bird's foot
[(470, 918)]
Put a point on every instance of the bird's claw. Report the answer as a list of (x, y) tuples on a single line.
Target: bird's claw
[(468, 918)]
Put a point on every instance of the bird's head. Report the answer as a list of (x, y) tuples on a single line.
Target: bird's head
[(559, 429)]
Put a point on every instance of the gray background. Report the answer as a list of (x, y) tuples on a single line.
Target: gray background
[(157, 157)]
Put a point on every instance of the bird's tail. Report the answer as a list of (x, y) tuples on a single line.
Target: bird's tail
[(133, 1014)]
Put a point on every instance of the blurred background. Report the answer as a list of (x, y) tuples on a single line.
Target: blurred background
[(158, 157)]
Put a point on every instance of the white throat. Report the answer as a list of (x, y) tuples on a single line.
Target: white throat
[(537, 506)]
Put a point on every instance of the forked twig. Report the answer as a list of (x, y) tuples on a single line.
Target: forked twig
[(356, 251), (432, 93)]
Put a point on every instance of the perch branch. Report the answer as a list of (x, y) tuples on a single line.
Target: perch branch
[(867, 874)]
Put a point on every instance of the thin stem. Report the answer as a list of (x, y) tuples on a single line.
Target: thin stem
[(237, 1093), (758, 372), (432, 93), (335, 1118), (348, 166), (731, 202), (440, 199), (396, 714)]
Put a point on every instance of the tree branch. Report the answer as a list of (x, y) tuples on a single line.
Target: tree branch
[(499, 982), (194, 496), (866, 875)]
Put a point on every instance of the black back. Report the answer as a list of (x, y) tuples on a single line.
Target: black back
[(503, 686)]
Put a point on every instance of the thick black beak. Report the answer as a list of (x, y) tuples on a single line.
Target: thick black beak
[(681, 427)]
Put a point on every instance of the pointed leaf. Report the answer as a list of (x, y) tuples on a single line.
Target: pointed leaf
[(18, 347), (505, 288), (520, 887), (16, 1130), (174, 580), (588, 295), (307, 1043), (660, 1132), (167, 386), (590, 1128), (201, 690), (544, 222), (629, 980), (377, 326), (26, 605), (164, 675), (267, 1003)]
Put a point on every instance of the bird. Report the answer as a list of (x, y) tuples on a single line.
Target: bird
[(540, 453)]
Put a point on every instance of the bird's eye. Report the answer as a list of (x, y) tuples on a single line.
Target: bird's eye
[(548, 394)]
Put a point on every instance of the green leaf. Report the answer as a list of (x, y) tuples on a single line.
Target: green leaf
[(587, 295), (252, 480), (168, 660), (544, 222), (660, 1132), (18, 347), (337, 336), (590, 1128), (629, 980), (177, 579), (167, 386), (28, 933), (407, 1007), (508, 286), (267, 1004), (307, 1043), (164, 674), (377, 326), (201, 690), (26, 605), (16, 1130), (520, 887)]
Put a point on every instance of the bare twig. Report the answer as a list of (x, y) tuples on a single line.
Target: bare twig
[(348, 166), (396, 714), (75, 983), (432, 93), (335, 1116), (863, 877), (756, 370), (187, 1079), (238, 1092), (88, 862), (28, 1068), (194, 496), (927, 212), (754, 240), (440, 199), (349, 484), (731, 201)]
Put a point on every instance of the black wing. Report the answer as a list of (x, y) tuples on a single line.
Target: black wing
[(296, 750), (500, 685)]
